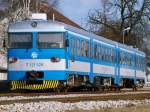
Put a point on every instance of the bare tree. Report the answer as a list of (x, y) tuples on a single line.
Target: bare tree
[(36, 4), (117, 15), (21, 9)]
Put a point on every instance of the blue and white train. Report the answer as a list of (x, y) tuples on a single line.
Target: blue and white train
[(45, 54)]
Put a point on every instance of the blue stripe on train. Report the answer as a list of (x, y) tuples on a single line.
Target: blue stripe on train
[(48, 75), (42, 53)]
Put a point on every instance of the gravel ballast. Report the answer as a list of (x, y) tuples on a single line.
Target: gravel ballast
[(56, 106), (53, 106)]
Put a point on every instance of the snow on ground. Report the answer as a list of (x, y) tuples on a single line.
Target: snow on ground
[(61, 107)]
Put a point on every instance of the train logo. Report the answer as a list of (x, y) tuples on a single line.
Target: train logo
[(34, 55)]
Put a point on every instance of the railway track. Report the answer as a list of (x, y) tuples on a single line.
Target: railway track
[(46, 93), (73, 97)]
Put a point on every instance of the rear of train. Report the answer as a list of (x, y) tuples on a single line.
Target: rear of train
[(36, 54)]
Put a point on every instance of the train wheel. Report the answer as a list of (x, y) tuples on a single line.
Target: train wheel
[(66, 89), (134, 87)]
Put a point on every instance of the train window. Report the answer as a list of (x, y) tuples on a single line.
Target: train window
[(109, 54), (112, 55), (86, 49), (102, 53), (141, 62), (129, 60), (20, 40), (72, 46), (50, 40), (98, 52), (95, 51), (91, 50), (125, 58), (106, 54), (121, 57), (105, 50), (136, 61), (78, 47), (82, 48), (132, 61)]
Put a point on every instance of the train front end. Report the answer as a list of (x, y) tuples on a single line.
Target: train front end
[(36, 55)]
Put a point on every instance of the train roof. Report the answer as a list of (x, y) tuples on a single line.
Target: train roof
[(55, 26)]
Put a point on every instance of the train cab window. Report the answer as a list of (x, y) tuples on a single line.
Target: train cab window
[(20, 40), (50, 40)]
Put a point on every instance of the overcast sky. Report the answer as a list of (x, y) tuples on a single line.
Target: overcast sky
[(77, 10)]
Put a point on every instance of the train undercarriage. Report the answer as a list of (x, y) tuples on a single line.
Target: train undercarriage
[(75, 83)]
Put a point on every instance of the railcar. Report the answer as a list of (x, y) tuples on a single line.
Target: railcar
[(45, 54)]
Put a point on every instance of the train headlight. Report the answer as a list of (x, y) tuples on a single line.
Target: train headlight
[(34, 24), (55, 59), (12, 60)]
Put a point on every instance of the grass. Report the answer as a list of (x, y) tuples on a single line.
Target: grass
[(127, 109)]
